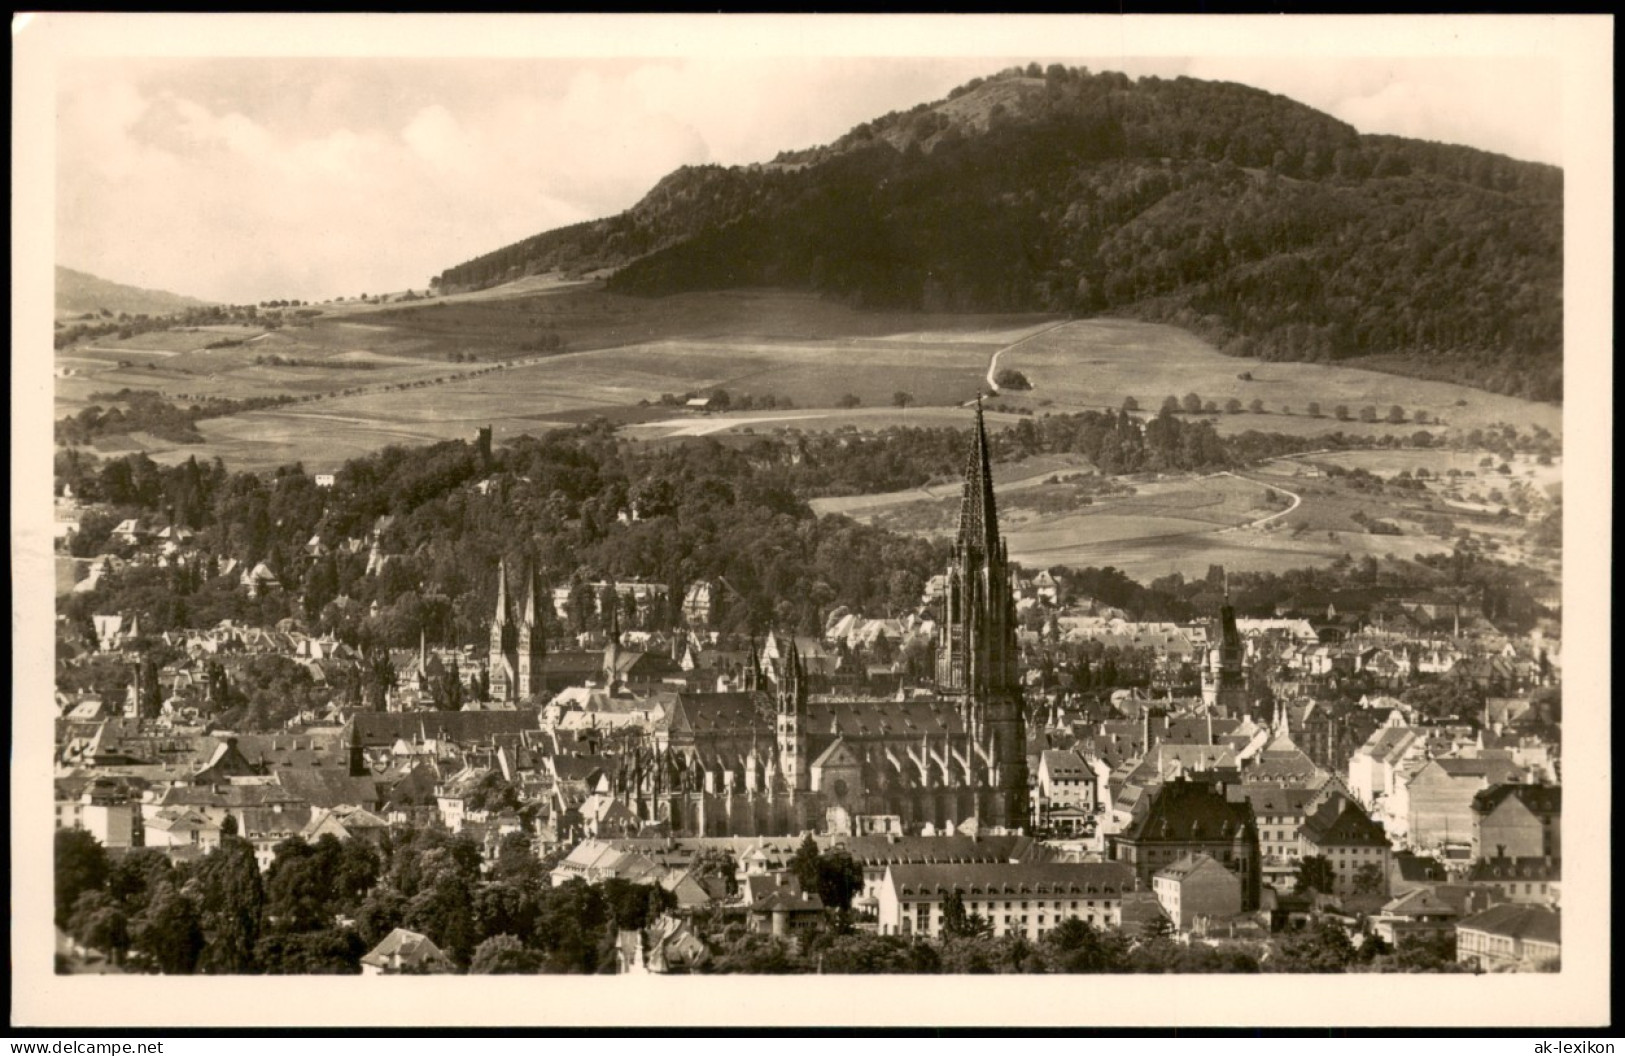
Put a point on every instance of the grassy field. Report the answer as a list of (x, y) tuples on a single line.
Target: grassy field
[(370, 375)]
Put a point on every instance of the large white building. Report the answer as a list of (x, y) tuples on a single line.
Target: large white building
[(1027, 899)]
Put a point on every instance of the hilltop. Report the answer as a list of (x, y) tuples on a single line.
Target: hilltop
[(1268, 228), (78, 292)]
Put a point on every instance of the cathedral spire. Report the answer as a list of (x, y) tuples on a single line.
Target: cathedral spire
[(978, 514)]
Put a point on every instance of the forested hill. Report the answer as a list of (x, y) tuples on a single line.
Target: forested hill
[(1267, 227)]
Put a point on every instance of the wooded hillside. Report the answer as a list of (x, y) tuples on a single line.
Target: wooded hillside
[(1261, 224)]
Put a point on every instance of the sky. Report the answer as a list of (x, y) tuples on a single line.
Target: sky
[(244, 179)]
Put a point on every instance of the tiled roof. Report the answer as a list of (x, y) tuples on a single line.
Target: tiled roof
[(329, 788), (1516, 922), (1489, 870), (928, 850), (1433, 901), (408, 947), (1416, 868), (1274, 799), (1182, 811), (1016, 879), (1491, 770), (1188, 865), (1540, 799), (1340, 823), (383, 729)]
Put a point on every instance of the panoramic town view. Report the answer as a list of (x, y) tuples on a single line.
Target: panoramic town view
[(1064, 521)]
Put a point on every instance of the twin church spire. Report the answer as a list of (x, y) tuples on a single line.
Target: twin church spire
[(518, 643)]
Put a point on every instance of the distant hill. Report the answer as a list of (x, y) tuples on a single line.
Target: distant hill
[(78, 293), (1269, 228)]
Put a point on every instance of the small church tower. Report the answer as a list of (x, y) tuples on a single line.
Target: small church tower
[(1224, 681), (791, 721)]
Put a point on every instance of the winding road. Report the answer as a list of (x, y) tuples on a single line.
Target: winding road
[(1297, 500), (993, 363)]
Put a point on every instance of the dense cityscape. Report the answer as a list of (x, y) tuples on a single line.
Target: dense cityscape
[(569, 705)]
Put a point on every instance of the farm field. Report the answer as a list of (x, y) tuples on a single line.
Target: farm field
[(1097, 363), (1186, 523), (1009, 477)]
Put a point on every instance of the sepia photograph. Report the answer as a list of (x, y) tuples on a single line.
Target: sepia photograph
[(1055, 500)]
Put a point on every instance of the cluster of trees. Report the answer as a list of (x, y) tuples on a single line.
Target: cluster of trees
[(124, 325), (1011, 378), (723, 400), (702, 511), (1191, 403), (217, 915), (275, 360), (322, 905), (1274, 230), (147, 411)]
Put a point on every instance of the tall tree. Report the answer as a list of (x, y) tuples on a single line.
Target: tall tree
[(233, 901), (169, 932), (81, 866)]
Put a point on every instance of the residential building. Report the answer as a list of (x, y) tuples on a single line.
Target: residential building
[(1356, 847), (785, 912), (109, 812), (181, 827), (1518, 821), (1440, 798), (1509, 938), (1527, 881), (405, 953), (1197, 888), (1186, 817), (1428, 911), (1065, 789), (1279, 814), (1375, 767)]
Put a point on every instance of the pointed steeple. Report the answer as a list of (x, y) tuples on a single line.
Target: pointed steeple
[(528, 616), (793, 683), (978, 514), (502, 592)]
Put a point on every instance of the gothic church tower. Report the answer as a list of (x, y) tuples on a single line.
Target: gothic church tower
[(1224, 680), (791, 721), (977, 655)]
